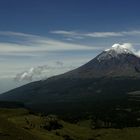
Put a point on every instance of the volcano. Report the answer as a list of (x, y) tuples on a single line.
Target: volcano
[(109, 77), (114, 62)]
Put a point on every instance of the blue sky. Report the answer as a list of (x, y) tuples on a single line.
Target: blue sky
[(41, 16), (49, 37)]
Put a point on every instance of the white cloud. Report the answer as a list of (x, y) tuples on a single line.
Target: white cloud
[(133, 32), (43, 71), (138, 53), (125, 46), (103, 34), (64, 32), (128, 46), (31, 74), (33, 43), (70, 35), (76, 35), (18, 34), (131, 47)]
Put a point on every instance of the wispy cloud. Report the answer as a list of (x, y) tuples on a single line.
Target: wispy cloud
[(113, 34), (74, 34), (18, 34), (32, 50), (103, 34), (34, 43), (69, 35), (64, 32)]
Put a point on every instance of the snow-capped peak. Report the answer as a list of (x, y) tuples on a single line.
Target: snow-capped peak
[(121, 49), (115, 50)]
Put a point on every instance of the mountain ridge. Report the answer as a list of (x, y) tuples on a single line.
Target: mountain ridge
[(115, 56), (108, 79)]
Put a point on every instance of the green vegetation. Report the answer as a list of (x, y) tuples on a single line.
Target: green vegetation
[(21, 124)]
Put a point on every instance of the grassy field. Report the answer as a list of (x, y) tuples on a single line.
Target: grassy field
[(20, 124)]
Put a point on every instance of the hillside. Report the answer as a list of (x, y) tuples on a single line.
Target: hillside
[(20, 124)]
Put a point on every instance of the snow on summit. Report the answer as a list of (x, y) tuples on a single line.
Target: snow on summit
[(118, 48), (115, 51)]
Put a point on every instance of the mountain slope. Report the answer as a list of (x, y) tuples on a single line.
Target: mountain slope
[(117, 61), (109, 76)]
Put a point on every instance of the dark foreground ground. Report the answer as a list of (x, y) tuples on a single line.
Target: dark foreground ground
[(21, 124)]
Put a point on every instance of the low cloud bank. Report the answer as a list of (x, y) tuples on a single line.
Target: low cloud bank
[(30, 74)]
